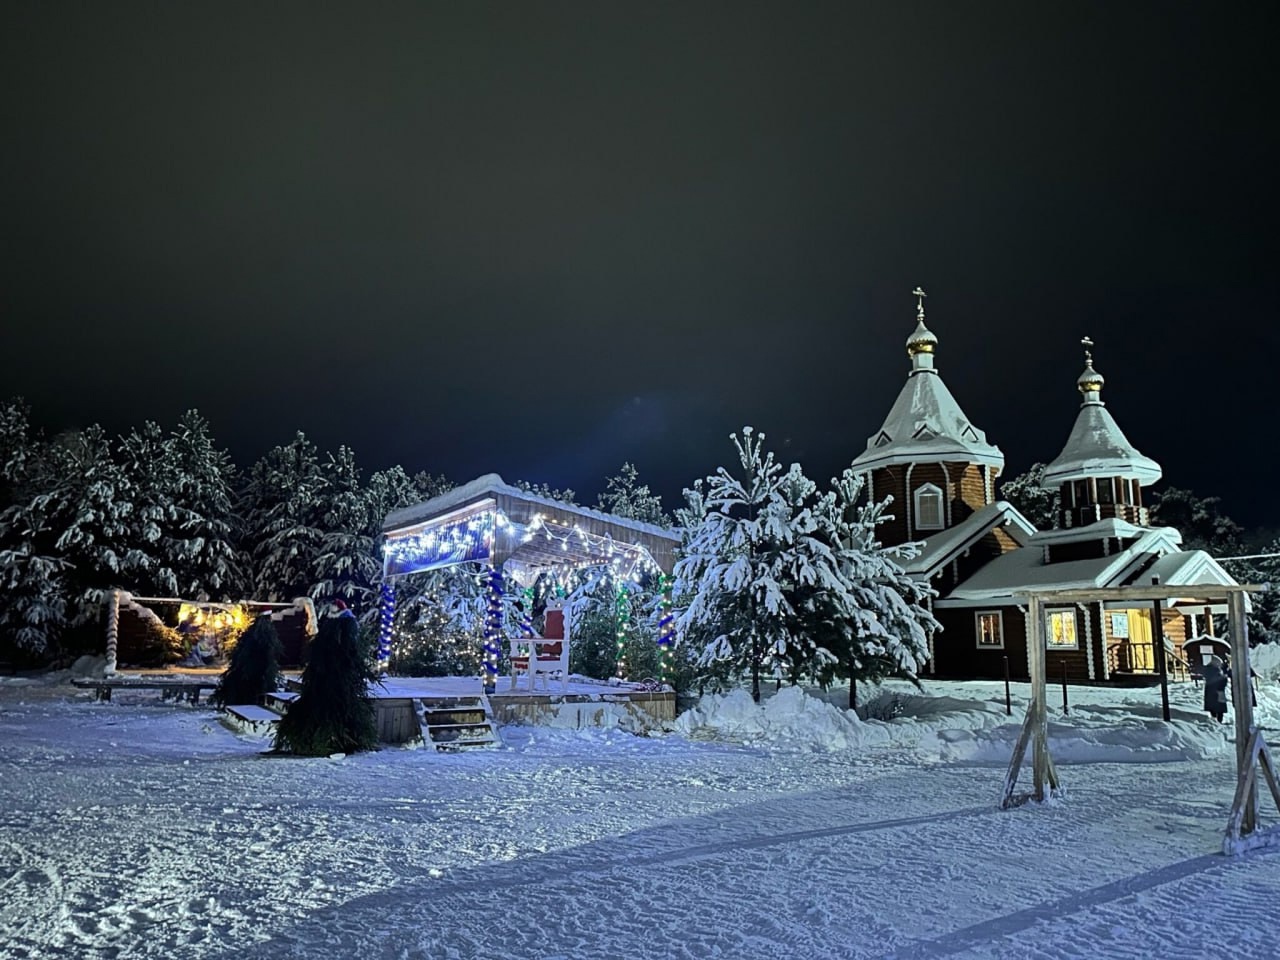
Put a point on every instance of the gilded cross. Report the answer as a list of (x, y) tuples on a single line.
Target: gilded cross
[(1088, 350)]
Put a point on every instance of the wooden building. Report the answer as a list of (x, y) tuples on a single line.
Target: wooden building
[(980, 554)]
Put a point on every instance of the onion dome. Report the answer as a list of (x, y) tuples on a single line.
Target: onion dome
[(1091, 381)]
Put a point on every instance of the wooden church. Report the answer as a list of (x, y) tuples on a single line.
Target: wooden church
[(980, 554)]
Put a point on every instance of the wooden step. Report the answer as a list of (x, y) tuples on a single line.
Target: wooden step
[(458, 723)]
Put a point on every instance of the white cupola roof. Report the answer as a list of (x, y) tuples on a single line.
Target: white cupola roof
[(925, 424), (1097, 446)]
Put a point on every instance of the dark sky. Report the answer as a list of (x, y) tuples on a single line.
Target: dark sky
[(542, 239)]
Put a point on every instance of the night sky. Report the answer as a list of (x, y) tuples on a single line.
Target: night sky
[(541, 239)]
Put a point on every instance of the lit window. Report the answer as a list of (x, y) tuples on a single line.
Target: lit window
[(990, 627), (1060, 632), (929, 508)]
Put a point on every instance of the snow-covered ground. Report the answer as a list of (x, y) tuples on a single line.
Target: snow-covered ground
[(141, 829)]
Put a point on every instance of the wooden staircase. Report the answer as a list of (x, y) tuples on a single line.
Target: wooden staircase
[(458, 723)]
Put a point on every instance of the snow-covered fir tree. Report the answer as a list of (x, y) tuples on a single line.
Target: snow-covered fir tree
[(345, 564), (201, 547), (283, 508), (624, 496), (1037, 504), (80, 515), (153, 474), (876, 622), (732, 576), (546, 491)]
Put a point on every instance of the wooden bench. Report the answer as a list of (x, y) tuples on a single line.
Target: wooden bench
[(169, 689)]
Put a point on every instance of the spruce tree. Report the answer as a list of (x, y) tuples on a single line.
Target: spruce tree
[(333, 712), (1031, 499), (254, 670), (734, 564)]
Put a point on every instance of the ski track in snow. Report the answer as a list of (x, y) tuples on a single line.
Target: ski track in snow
[(135, 830)]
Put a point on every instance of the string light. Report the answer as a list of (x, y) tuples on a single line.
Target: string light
[(468, 538), (386, 625), (622, 606), (666, 626), (493, 630)]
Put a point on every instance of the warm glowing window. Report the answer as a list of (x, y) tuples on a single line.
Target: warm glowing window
[(990, 627), (929, 508), (1060, 630)]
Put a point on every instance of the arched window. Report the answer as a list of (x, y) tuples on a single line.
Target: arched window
[(929, 508)]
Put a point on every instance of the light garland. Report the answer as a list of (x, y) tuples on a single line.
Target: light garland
[(666, 626), (493, 630), (386, 624), (622, 608), (469, 538)]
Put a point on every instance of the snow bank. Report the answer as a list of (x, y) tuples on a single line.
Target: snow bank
[(1265, 660), (951, 729), (788, 718)]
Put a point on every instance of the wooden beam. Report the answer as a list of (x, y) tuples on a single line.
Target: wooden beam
[(1211, 592), (1242, 697)]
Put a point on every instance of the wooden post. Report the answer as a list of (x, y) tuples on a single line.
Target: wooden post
[(1242, 702), (1039, 705), (1008, 698), (1036, 726), (1065, 709), (113, 630), (1157, 631)]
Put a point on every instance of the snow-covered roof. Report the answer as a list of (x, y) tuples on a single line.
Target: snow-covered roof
[(490, 485), (1112, 527), (926, 425), (1001, 580), (528, 531), (1097, 447), (940, 548)]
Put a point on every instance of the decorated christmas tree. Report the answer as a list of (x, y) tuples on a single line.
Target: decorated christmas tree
[(333, 712)]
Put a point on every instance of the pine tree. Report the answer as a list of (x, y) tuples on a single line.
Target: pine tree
[(729, 574), (547, 492), (333, 712), (254, 670), (1200, 520), (346, 564), (625, 497), (153, 476), (78, 515), (878, 620), (1029, 497), (202, 548), (283, 507)]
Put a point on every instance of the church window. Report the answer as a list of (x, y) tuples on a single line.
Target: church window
[(990, 628), (1060, 630), (929, 508)]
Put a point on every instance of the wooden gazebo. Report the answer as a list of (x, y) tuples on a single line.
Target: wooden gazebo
[(518, 536)]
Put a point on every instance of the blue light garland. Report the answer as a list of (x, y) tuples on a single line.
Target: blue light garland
[(493, 631), (385, 626), (466, 539), (666, 627)]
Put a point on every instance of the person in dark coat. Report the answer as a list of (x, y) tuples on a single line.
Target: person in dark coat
[(1215, 689)]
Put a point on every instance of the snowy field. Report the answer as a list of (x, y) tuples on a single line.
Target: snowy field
[(141, 829)]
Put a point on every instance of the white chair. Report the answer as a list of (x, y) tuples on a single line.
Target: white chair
[(546, 654)]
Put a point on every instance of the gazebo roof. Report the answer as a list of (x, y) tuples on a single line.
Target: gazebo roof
[(490, 521)]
